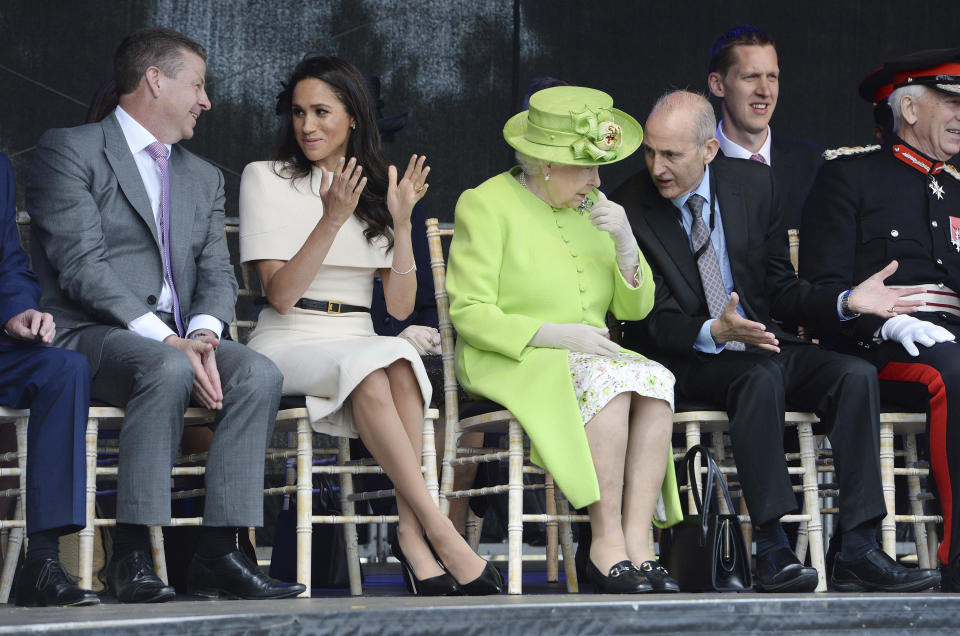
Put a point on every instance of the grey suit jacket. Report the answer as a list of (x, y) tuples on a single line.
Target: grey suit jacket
[(96, 246)]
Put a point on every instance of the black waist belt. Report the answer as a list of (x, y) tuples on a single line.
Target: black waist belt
[(329, 306)]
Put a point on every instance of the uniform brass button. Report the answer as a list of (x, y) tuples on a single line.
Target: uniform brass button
[(939, 261), (894, 233), (933, 223)]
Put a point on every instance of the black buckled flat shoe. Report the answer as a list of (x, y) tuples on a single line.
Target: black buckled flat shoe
[(489, 582), (132, 579), (780, 571), (950, 576), (234, 575), (658, 576), (875, 571), (44, 582), (440, 585), (624, 578)]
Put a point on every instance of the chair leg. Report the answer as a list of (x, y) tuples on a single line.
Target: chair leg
[(17, 538), (14, 544), (811, 502), (349, 528), (304, 503), (515, 509), (85, 542), (553, 573), (566, 544), (159, 557), (429, 460), (916, 504), (888, 527), (474, 528), (692, 430)]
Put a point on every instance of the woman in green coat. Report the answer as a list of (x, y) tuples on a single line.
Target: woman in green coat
[(538, 257)]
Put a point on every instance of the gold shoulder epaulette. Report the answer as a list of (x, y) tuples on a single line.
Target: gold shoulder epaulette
[(850, 151), (953, 172)]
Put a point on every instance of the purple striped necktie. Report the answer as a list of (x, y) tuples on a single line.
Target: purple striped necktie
[(758, 157), (159, 153)]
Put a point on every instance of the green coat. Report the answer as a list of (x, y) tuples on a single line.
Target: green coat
[(514, 264)]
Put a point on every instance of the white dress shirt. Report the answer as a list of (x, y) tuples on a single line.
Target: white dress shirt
[(150, 325), (736, 151)]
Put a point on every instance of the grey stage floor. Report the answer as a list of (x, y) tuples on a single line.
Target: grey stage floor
[(527, 614)]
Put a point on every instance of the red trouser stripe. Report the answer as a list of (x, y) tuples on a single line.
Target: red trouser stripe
[(930, 377)]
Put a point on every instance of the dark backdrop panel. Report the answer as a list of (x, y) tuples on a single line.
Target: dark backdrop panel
[(456, 66)]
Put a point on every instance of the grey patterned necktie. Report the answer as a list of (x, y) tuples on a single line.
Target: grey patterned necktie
[(708, 264), (159, 153)]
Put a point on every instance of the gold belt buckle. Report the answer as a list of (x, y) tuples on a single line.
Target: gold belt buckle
[(331, 309)]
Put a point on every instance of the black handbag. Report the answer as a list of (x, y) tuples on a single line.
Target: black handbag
[(706, 552), (329, 548)]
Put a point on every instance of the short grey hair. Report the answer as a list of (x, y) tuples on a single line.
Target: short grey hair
[(915, 91), (530, 166), (704, 120)]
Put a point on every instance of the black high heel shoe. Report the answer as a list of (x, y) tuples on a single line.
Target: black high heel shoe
[(440, 585), (489, 582)]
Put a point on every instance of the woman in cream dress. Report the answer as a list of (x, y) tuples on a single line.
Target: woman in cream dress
[(318, 228)]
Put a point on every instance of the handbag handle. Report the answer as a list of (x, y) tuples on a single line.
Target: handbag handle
[(714, 479)]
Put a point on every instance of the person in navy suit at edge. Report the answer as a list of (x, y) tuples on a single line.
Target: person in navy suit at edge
[(55, 385)]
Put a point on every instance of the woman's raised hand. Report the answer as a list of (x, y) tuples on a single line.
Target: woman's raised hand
[(340, 190), (403, 195)]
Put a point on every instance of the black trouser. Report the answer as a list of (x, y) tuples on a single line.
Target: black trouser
[(755, 386)]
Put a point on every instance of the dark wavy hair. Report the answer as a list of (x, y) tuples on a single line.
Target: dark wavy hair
[(363, 142)]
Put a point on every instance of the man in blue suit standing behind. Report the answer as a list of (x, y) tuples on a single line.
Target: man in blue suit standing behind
[(55, 385)]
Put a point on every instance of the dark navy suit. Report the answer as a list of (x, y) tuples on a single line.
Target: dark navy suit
[(53, 383)]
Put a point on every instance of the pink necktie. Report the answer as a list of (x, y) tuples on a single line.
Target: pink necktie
[(159, 153), (758, 157)]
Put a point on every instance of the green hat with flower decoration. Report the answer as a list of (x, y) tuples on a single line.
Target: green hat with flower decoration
[(573, 125)]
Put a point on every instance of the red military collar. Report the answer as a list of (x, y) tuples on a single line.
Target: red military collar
[(915, 160)]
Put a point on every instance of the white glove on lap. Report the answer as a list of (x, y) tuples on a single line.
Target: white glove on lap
[(612, 218), (908, 331), (575, 337), (426, 340)]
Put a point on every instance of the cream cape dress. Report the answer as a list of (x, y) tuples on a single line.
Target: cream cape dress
[(322, 356)]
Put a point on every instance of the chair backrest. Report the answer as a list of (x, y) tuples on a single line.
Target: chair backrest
[(438, 266), (793, 239)]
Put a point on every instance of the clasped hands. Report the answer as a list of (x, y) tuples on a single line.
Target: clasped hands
[(340, 189), (200, 347)]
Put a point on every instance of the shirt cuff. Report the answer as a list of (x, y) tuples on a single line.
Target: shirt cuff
[(150, 326), (704, 342), (205, 321)]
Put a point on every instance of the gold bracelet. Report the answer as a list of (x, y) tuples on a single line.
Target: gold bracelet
[(413, 268)]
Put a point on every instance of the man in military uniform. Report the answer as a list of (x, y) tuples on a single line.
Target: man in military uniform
[(902, 201)]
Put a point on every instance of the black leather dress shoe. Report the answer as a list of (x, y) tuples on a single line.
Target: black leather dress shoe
[(950, 576), (877, 572), (234, 575), (44, 582), (780, 571), (658, 576), (624, 578), (132, 579)]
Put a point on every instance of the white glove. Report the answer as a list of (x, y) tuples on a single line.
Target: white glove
[(426, 340), (612, 218), (908, 330), (575, 337)]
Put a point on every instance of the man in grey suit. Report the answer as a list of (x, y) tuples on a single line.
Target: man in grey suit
[(130, 249)]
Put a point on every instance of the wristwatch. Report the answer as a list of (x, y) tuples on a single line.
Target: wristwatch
[(845, 305)]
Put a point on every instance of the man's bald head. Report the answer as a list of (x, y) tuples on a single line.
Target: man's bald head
[(679, 141)]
